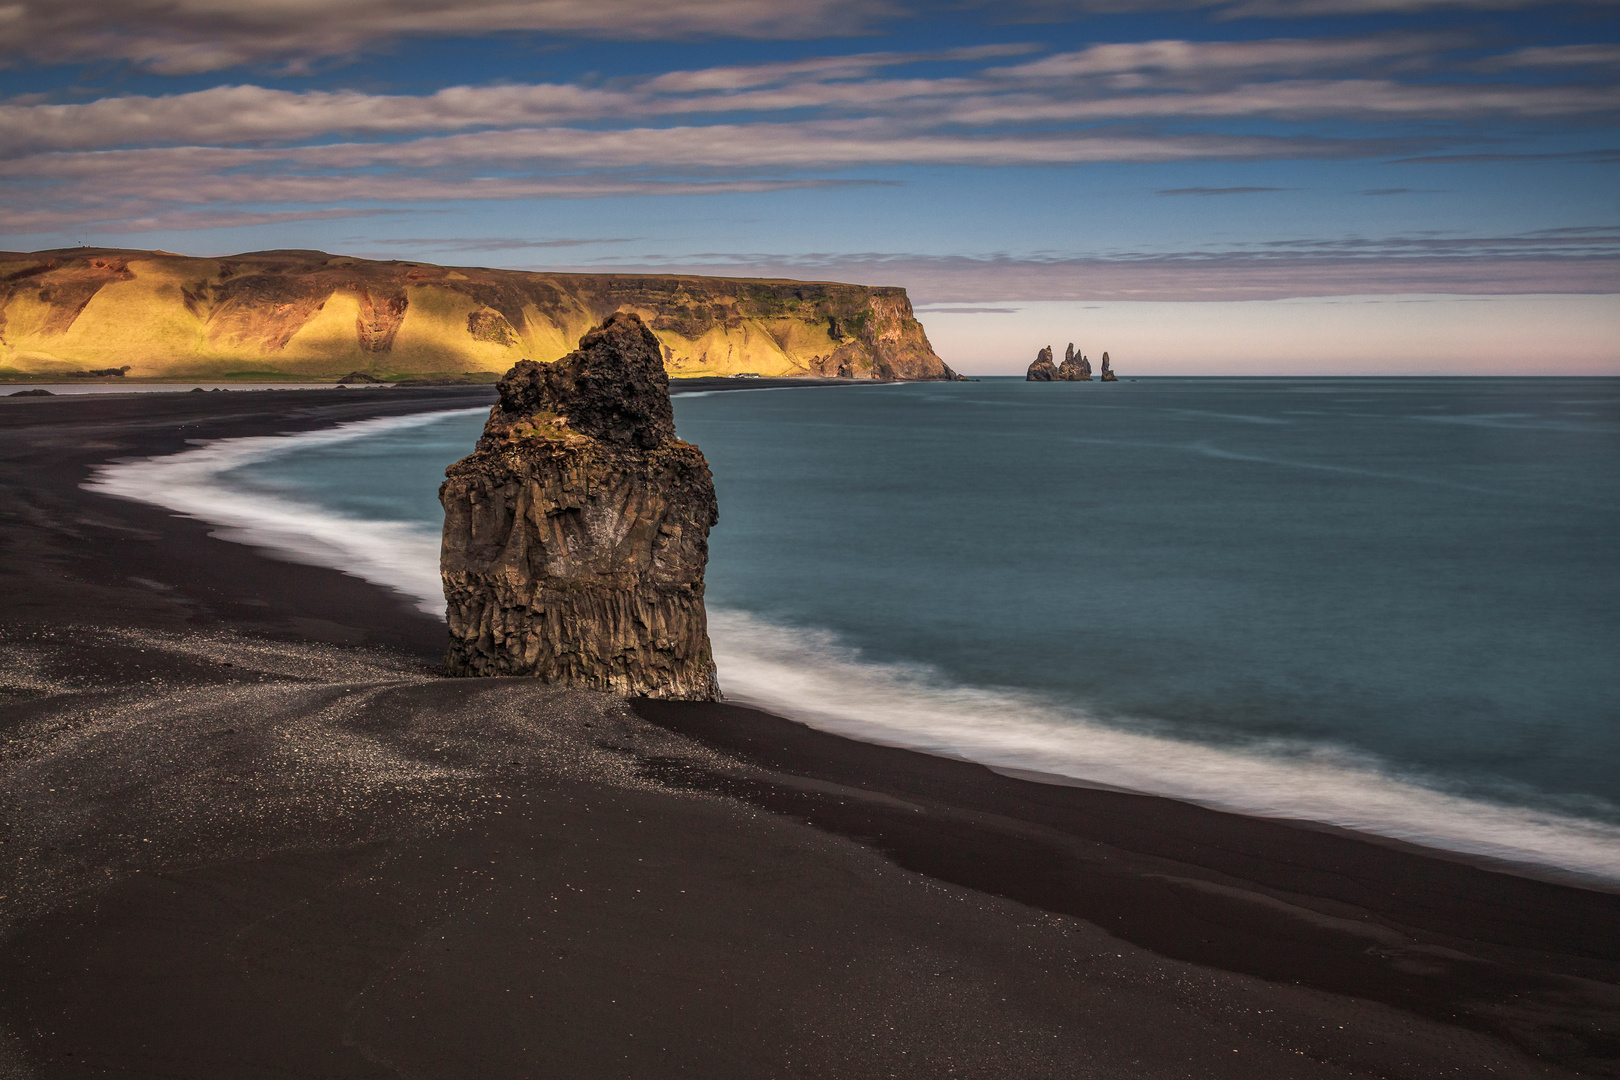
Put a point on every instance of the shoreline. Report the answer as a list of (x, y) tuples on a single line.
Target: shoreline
[(182, 384), (1435, 965), (858, 701)]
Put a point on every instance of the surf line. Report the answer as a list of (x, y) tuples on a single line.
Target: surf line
[(806, 675), (399, 555)]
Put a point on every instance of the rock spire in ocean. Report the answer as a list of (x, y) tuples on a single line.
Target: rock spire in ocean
[(1075, 367), (1042, 370), (576, 534)]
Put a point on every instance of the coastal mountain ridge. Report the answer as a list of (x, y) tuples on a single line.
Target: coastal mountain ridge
[(308, 314)]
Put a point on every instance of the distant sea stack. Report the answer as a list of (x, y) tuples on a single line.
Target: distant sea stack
[(1042, 369), (1075, 368), (269, 314), (576, 534)]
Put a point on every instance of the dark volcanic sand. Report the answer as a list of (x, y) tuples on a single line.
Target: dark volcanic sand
[(248, 832)]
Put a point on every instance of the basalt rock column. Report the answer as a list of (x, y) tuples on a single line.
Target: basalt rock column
[(1042, 370), (1107, 371), (576, 534)]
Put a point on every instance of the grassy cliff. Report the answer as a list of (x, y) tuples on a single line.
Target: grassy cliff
[(306, 314)]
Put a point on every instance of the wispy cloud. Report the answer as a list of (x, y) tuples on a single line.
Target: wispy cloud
[(490, 243), (937, 283), (745, 128), (180, 37), (1560, 57), (936, 309), (1218, 190), (1281, 79), (191, 36), (133, 218), (1042, 10), (1589, 157), (214, 202)]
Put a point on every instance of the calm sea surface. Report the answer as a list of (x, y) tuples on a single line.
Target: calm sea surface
[(1387, 603)]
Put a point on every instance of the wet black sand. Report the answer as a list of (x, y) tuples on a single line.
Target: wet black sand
[(247, 831)]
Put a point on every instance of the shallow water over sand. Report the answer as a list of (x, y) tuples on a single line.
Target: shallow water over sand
[(1386, 604)]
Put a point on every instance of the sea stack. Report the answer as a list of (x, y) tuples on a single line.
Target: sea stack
[(1108, 372), (576, 534), (1075, 368), (1042, 369)]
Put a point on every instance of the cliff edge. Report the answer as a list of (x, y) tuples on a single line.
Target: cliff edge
[(308, 314), (576, 534)]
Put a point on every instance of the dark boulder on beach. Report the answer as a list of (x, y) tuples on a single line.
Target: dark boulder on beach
[(1075, 368), (1108, 372), (359, 377), (1042, 369), (36, 392), (576, 534)]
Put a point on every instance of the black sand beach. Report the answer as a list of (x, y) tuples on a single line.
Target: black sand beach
[(249, 832)]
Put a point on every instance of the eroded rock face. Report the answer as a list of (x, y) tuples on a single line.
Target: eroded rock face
[(576, 534), (1042, 369), (1108, 372), (1075, 367), (313, 313)]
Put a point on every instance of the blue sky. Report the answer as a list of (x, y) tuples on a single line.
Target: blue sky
[(1252, 166)]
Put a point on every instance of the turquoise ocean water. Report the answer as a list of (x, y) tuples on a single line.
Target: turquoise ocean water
[(1386, 604)]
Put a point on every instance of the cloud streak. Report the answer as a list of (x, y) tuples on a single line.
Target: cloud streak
[(1220, 276), (1282, 79), (179, 37), (1219, 190), (247, 153)]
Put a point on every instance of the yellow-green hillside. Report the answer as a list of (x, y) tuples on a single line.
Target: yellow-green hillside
[(306, 314)]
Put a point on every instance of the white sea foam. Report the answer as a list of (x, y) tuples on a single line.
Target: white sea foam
[(402, 555), (809, 677)]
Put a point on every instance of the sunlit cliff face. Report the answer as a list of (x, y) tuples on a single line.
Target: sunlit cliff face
[(307, 313)]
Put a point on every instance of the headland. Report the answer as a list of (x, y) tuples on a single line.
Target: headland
[(278, 315)]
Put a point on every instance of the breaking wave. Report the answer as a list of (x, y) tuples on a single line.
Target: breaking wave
[(403, 555)]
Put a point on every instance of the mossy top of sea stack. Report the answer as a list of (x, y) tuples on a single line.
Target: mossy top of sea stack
[(613, 388)]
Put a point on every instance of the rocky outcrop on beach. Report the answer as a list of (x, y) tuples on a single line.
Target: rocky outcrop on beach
[(314, 315), (1042, 369), (576, 534), (1108, 372), (1075, 367)]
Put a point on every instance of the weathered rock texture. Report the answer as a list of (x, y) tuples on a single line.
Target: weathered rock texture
[(576, 534), (1108, 372), (1042, 370), (307, 313), (1075, 368)]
